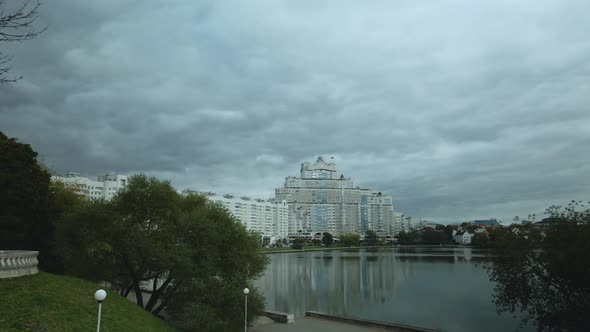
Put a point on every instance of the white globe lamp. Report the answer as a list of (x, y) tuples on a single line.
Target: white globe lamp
[(100, 295)]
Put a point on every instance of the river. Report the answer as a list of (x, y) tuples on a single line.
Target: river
[(431, 287)]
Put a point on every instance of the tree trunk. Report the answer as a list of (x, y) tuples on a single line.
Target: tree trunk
[(164, 304), (138, 293), (135, 285), (156, 294), (127, 291)]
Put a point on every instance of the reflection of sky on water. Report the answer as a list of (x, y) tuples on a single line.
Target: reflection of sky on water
[(430, 287)]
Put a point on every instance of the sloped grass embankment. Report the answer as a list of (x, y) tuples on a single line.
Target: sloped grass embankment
[(46, 302)]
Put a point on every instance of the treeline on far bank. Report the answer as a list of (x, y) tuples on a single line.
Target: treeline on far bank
[(190, 255), (442, 235)]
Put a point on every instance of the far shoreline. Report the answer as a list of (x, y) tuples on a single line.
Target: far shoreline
[(311, 249)]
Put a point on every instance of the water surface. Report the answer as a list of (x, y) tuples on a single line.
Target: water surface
[(444, 288)]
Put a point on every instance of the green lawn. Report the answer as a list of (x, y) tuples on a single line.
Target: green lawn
[(47, 302)]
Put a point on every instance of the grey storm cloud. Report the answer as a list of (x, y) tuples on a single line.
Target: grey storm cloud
[(458, 109)]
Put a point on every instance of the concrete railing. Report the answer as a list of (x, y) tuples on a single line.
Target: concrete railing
[(16, 263)]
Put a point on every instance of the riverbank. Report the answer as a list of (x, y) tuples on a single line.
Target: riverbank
[(304, 249), (320, 248)]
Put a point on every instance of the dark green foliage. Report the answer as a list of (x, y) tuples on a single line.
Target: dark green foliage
[(350, 239), (543, 270), (199, 254), (481, 240), (497, 237), (449, 232), (434, 237), (407, 237), (298, 243), (371, 238), (25, 219), (327, 239), (62, 202)]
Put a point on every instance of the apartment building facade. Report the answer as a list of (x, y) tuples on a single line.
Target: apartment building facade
[(268, 217), (104, 187), (321, 200)]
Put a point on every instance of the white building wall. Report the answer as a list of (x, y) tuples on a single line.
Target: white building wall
[(105, 187), (269, 218)]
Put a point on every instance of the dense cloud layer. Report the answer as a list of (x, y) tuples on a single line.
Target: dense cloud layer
[(459, 109)]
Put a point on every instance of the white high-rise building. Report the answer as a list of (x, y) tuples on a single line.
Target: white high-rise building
[(268, 217), (105, 187), (320, 200)]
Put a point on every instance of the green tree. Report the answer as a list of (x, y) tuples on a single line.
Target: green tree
[(543, 271), (298, 243), (371, 238), (327, 239), (434, 237), (407, 237), (191, 254), (350, 239), (481, 240), (499, 237), (449, 233), (24, 201), (62, 202)]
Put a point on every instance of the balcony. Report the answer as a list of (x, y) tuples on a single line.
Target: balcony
[(16, 263)]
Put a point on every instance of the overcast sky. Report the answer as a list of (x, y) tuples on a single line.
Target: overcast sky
[(458, 109)]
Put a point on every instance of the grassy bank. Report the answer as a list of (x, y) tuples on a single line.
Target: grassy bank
[(47, 302)]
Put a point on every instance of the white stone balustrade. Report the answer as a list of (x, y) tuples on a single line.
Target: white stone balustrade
[(16, 263)]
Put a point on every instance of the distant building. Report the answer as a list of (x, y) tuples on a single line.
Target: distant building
[(464, 236), (267, 217), (105, 187), (399, 224), (320, 200)]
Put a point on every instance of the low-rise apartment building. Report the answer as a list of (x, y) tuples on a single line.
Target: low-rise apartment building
[(104, 187)]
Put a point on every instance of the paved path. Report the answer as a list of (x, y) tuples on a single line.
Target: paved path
[(309, 324)]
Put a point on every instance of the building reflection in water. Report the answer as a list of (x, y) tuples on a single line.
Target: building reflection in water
[(415, 286)]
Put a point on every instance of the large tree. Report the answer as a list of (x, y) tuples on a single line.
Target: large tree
[(17, 20), (191, 254), (30, 205), (542, 270), (24, 190)]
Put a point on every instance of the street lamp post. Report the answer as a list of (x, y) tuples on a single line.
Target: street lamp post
[(246, 291), (99, 296)]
